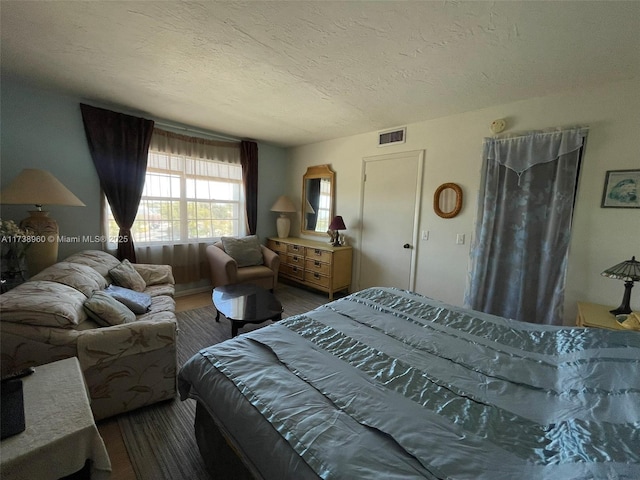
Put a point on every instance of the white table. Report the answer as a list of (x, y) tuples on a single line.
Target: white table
[(60, 434)]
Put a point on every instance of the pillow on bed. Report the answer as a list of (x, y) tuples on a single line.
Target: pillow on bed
[(125, 275), (245, 251), (106, 310), (137, 302)]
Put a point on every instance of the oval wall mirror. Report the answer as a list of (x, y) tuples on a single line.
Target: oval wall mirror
[(317, 199), (447, 201)]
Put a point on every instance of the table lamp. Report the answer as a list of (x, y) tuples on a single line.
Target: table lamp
[(283, 205), (336, 225), (39, 187), (629, 271)]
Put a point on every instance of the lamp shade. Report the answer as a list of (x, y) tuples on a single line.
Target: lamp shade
[(308, 208), (38, 187), (283, 204), (629, 270), (337, 223)]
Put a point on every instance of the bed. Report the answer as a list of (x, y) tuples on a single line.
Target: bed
[(386, 383)]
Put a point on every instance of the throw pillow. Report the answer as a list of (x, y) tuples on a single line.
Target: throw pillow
[(245, 251), (125, 275), (81, 277), (137, 302), (106, 310), (43, 303)]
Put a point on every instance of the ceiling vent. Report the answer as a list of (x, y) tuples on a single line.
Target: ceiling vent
[(392, 137)]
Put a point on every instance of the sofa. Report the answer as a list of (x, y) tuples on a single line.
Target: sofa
[(128, 359), (243, 260)]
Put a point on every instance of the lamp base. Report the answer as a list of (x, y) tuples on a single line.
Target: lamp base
[(283, 225), (625, 307), (44, 253), (335, 237)]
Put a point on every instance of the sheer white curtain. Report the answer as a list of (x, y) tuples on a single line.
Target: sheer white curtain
[(188, 258)]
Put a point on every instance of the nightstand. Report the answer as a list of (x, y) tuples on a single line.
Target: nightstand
[(596, 316), (61, 434)]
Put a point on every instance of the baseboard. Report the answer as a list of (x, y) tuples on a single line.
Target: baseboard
[(193, 291)]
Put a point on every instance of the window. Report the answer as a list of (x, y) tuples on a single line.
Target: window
[(187, 200), (324, 207)]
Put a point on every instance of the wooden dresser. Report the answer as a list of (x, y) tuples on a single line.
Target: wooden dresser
[(314, 264)]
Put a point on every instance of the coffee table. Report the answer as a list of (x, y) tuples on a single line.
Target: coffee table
[(245, 303)]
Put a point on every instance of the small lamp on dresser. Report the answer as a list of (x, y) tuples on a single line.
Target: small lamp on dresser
[(337, 224), (629, 271)]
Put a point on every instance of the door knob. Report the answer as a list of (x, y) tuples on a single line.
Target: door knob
[(406, 245)]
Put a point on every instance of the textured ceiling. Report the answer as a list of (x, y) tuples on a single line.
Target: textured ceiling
[(291, 73)]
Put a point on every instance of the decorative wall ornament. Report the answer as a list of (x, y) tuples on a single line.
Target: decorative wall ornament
[(498, 126), (440, 201)]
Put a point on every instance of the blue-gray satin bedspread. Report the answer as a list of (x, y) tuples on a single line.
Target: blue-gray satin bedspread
[(387, 384)]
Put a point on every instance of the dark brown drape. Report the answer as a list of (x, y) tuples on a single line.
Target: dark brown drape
[(249, 161), (119, 145)]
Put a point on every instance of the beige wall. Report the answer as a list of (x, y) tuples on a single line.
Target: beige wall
[(453, 147)]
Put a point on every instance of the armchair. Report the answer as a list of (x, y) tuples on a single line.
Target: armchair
[(225, 270)]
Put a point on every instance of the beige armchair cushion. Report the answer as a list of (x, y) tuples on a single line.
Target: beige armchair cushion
[(245, 251)]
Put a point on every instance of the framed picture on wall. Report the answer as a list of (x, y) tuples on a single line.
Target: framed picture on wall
[(621, 189)]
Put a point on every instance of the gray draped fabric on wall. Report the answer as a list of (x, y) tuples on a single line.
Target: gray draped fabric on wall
[(525, 207)]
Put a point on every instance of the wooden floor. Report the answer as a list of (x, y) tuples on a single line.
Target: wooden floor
[(109, 428)]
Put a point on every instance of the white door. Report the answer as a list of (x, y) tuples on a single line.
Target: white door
[(390, 211)]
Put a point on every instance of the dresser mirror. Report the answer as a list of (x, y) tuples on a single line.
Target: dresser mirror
[(318, 185)]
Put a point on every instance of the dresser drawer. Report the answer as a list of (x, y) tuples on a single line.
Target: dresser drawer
[(295, 249), (277, 246), (316, 266), (295, 259), (318, 254), (293, 271), (317, 279)]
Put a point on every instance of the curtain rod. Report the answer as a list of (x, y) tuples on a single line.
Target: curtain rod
[(199, 132)]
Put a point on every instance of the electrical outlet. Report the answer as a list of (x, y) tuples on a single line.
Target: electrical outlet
[(460, 239)]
